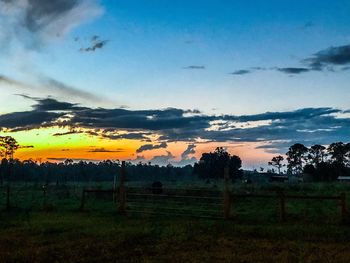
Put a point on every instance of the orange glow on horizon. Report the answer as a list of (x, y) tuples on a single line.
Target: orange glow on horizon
[(41, 144)]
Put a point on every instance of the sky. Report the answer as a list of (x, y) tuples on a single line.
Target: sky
[(165, 81)]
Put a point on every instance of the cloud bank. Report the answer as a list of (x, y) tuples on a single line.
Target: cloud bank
[(275, 130)]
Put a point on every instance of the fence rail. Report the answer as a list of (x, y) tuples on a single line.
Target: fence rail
[(283, 198), (225, 203), (210, 203)]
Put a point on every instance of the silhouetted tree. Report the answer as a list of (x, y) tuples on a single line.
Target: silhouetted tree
[(277, 162), (212, 165), (317, 154), (309, 169), (68, 162), (339, 153), (296, 156), (3, 170), (8, 145)]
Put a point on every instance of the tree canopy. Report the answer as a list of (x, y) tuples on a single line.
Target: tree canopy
[(211, 165)]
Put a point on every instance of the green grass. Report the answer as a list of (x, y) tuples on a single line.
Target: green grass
[(97, 237), (312, 232)]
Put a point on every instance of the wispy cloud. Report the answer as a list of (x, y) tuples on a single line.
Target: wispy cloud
[(104, 150), (62, 159), (66, 90), (308, 24), (162, 159), (94, 46), (51, 86), (293, 70), (241, 72), (35, 22), (9, 81), (331, 59), (195, 67), (66, 133)]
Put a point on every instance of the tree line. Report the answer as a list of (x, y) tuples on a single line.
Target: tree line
[(320, 162), (210, 166)]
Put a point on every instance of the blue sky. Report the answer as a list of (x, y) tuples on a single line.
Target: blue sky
[(179, 54), (150, 43)]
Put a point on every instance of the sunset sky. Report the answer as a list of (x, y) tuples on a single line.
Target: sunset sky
[(165, 81)]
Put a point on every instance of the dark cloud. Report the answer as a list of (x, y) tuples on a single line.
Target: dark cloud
[(194, 67), (95, 46), (152, 120), (27, 120), (26, 146), (248, 71), (305, 113), (49, 104), (67, 133), (329, 59), (241, 72), (332, 56), (143, 136), (148, 147), (293, 70), (104, 150)]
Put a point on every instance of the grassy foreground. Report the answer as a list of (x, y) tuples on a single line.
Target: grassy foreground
[(104, 236), (62, 233)]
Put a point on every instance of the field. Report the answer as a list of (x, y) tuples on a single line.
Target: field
[(52, 228)]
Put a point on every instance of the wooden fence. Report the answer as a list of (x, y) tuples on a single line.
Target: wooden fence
[(282, 197), (185, 202), (223, 201)]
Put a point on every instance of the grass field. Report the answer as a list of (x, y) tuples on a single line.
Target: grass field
[(59, 232)]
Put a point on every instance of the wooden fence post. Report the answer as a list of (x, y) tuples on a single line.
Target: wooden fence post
[(122, 190), (8, 205), (227, 197), (343, 207), (282, 199), (82, 205), (44, 196), (115, 189)]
